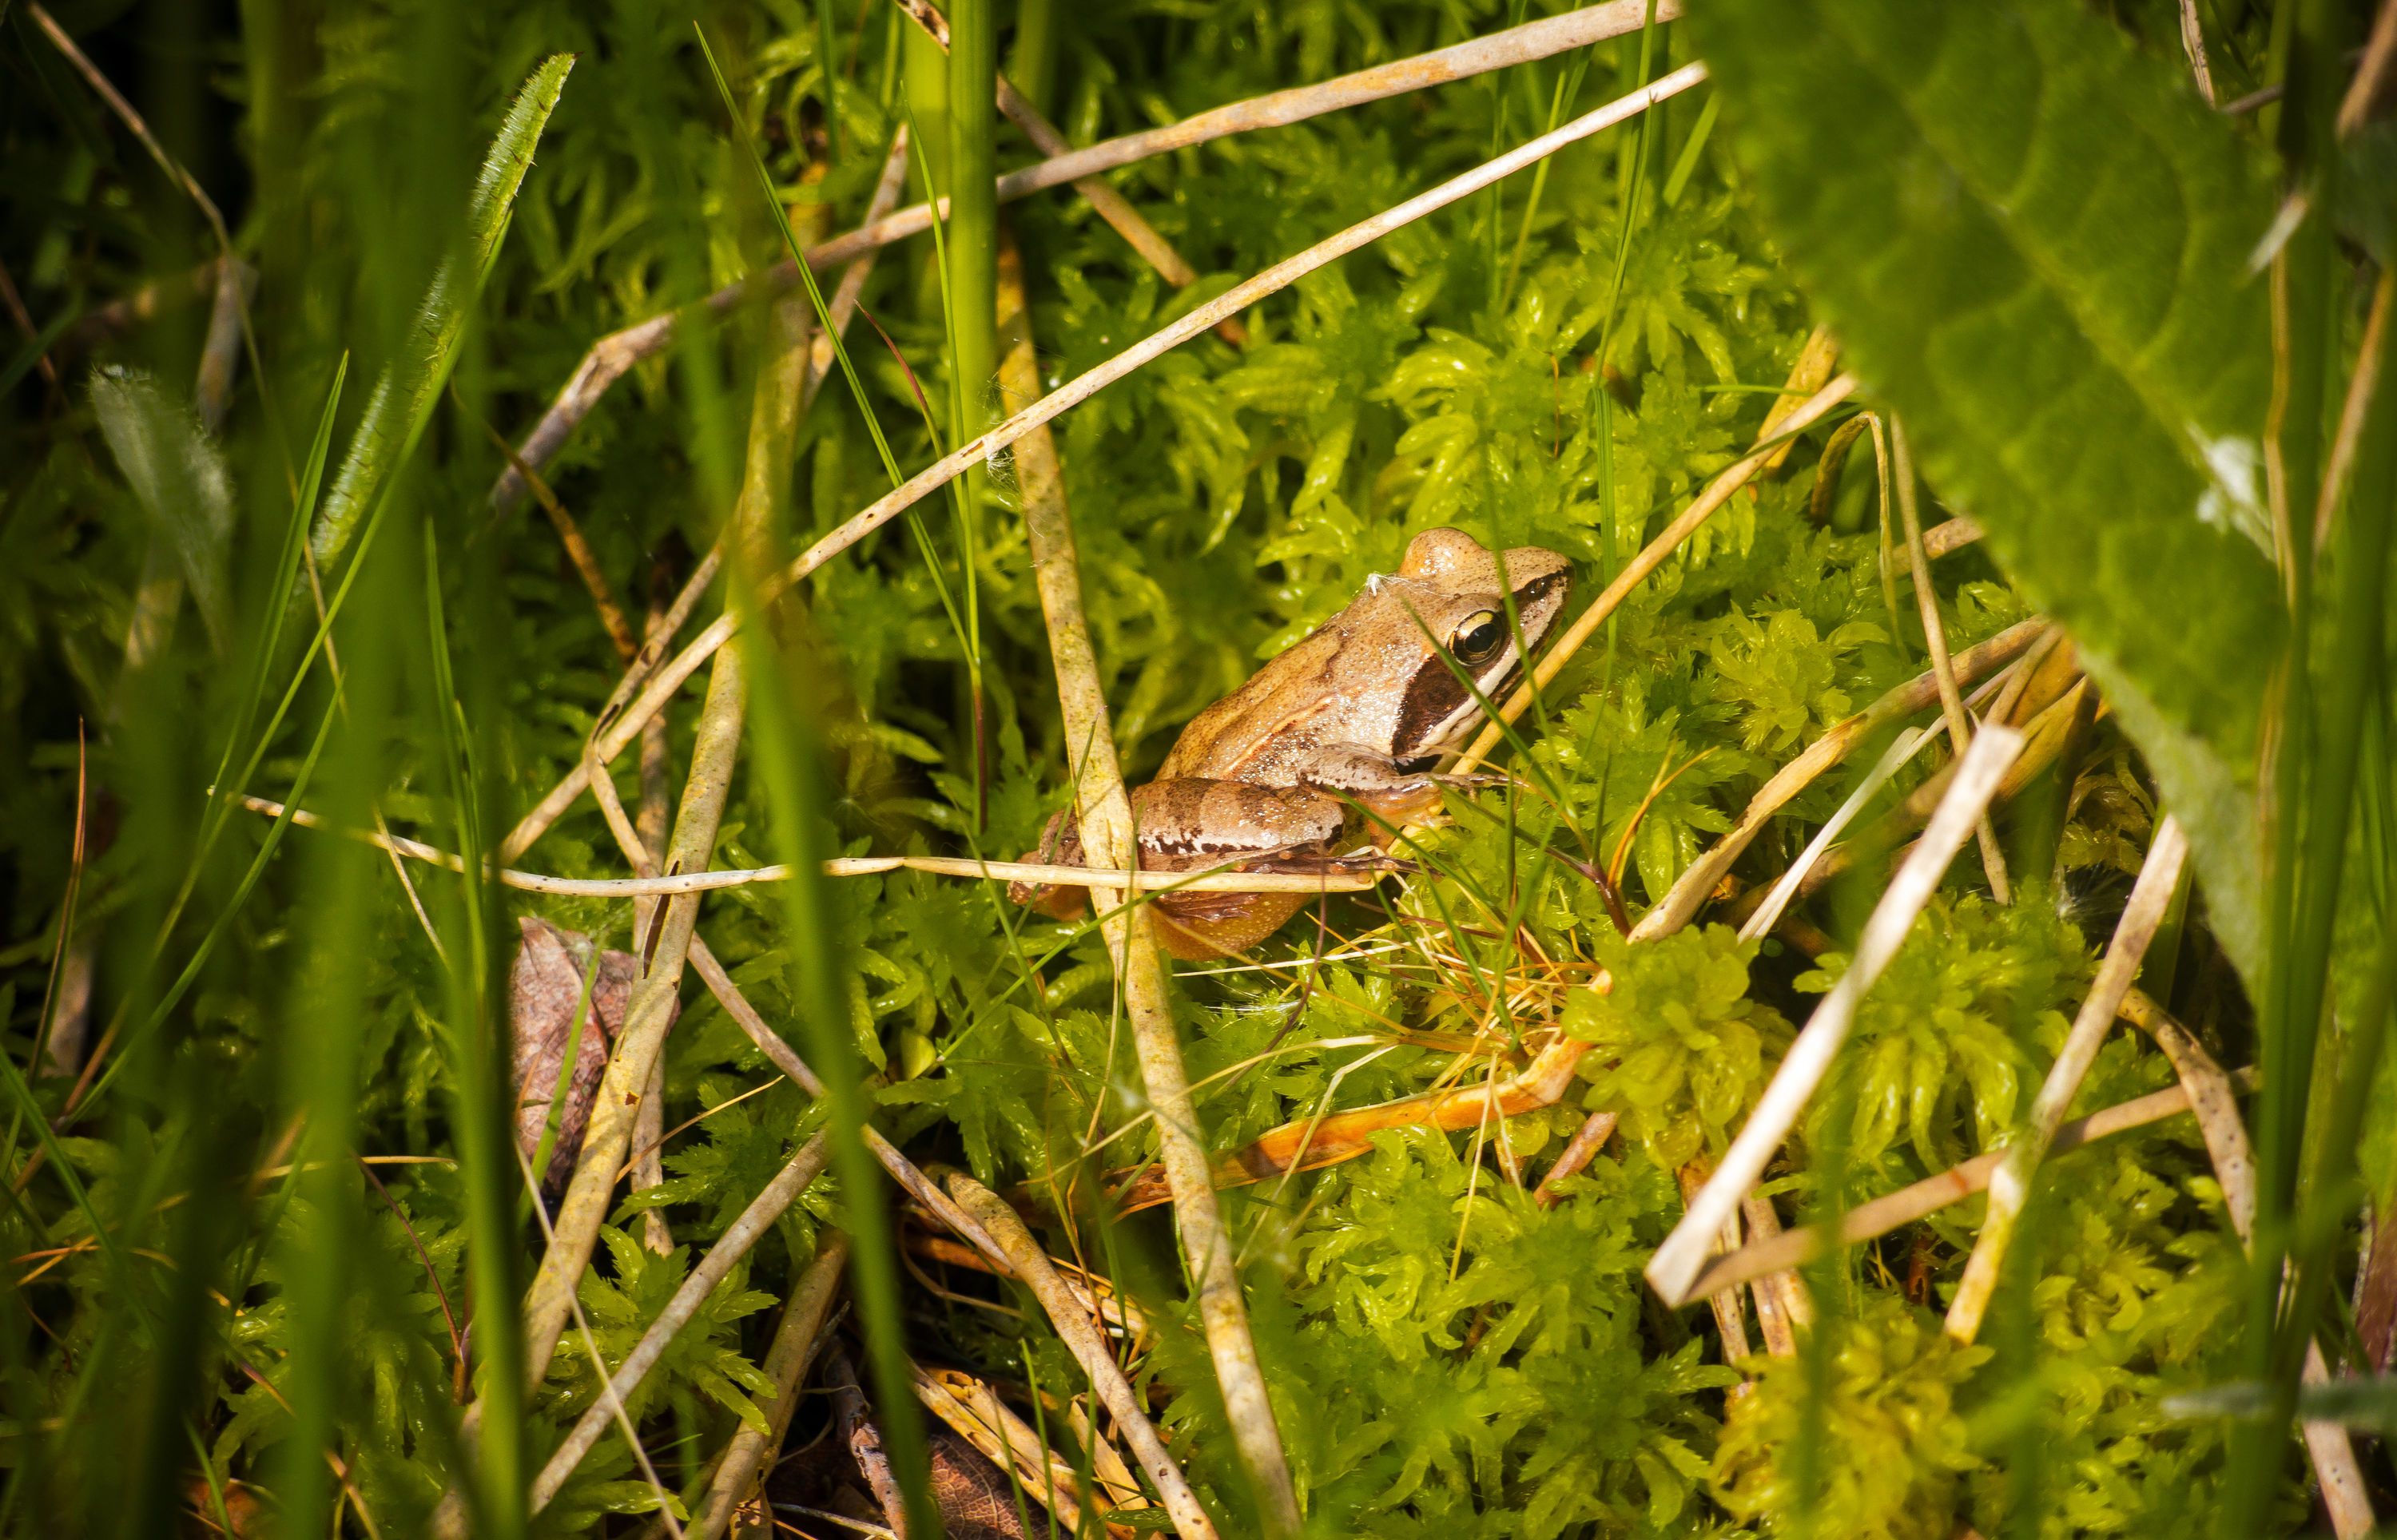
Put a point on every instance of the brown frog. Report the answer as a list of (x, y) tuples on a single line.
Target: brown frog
[(1332, 745)]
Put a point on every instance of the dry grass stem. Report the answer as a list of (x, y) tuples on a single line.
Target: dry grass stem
[(1810, 373), (1586, 1142), (2212, 1097), (865, 1439), (1768, 913), (1935, 637), (717, 1265), (2372, 75), (1693, 886), (2010, 1187), (668, 679), (1794, 1248), (1105, 201), (2193, 42), (973, 1412), (1033, 1270), (1718, 492), (1215, 880), (1944, 539), (1675, 1267), (2355, 408), (778, 1053), (1108, 838), (612, 356), (1731, 1322), (1782, 1304), (796, 1339), (1329, 1138), (124, 110), (714, 754)]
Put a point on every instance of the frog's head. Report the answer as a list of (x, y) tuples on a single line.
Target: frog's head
[(1445, 615)]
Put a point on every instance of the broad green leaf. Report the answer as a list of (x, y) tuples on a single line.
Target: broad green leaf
[(2032, 241), (404, 395), (179, 478)]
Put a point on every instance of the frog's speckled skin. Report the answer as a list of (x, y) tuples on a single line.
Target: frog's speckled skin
[(1360, 711)]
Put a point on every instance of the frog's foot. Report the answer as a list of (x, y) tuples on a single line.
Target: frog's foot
[(1355, 864)]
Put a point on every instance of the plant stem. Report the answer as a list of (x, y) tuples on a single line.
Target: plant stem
[(1108, 839)]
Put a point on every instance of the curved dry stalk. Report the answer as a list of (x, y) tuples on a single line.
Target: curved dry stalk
[(796, 1339), (1698, 881), (1032, 1267), (1213, 879), (1941, 540), (1651, 556), (614, 355), (1674, 1269), (2010, 1187), (1006, 435), (1935, 636), (1097, 1297), (717, 1265), (1107, 838)]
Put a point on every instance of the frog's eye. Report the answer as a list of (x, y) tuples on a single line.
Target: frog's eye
[(1478, 638)]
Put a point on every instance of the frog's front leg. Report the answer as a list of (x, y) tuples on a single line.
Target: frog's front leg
[(1188, 825), (1393, 792)]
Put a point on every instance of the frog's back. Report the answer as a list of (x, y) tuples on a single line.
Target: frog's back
[(1236, 737)]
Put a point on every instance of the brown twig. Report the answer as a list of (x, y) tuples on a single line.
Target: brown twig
[(865, 1439), (1033, 1270), (797, 1338), (1586, 1142)]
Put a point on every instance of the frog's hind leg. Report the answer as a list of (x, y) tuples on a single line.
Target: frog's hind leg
[(1198, 928)]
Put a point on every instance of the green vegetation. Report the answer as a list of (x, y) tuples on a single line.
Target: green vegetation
[(267, 1231)]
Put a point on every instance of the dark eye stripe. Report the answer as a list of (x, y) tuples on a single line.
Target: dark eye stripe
[(1430, 700)]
